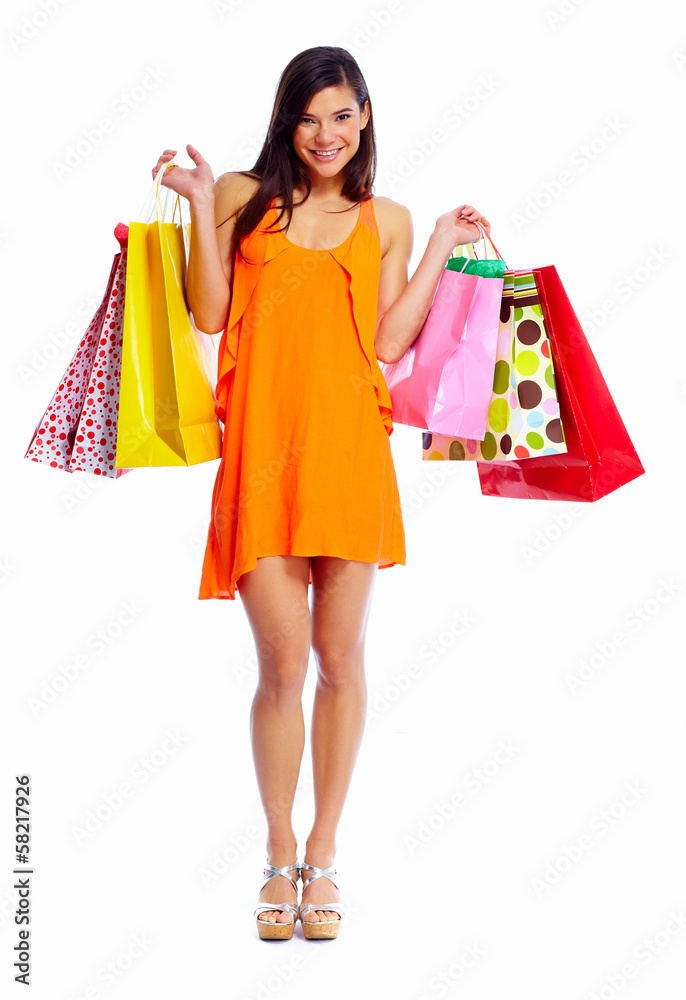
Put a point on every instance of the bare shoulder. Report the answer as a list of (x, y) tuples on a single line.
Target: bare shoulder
[(395, 224), (231, 191)]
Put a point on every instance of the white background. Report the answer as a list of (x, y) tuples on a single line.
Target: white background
[(495, 876)]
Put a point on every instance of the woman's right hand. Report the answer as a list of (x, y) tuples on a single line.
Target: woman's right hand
[(197, 184)]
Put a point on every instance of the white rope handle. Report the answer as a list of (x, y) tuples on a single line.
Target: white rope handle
[(153, 209)]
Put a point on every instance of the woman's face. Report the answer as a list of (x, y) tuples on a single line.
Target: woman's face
[(331, 121)]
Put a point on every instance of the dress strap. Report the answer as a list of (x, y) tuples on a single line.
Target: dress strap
[(368, 216)]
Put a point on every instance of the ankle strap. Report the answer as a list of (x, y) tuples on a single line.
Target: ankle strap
[(318, 873), (270, 871)]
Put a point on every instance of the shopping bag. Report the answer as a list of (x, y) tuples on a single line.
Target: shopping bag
[(443, 381), (78, 430), (524, 412), (167, 404), (600, 456)]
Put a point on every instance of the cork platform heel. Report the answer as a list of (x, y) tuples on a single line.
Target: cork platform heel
[(273, 929), (319, 928)]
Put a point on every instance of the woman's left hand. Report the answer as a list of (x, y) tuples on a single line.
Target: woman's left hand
[(457, 227)]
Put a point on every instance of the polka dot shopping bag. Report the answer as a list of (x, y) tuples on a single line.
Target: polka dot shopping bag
[(600, 455), (523, 412), (78, 431)]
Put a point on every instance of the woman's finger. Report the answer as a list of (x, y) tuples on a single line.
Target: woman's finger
[(171, 166), (194, 155), (163, 167), (168, 154)]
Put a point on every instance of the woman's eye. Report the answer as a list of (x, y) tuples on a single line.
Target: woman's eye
[(344, 115)]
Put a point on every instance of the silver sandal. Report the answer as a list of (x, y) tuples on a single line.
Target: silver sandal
[(269, 929), (319, 928)]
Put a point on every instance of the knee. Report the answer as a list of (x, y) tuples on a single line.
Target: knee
[(339, 666), (283, 681)]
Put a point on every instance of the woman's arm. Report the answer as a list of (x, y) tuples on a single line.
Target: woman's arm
[(210, 260), (404, 305), (211, 254)]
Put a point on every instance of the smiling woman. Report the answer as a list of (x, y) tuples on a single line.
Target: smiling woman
[(306, 491), (328, 152)]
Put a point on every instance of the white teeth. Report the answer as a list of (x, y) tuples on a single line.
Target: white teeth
[(331, 152)]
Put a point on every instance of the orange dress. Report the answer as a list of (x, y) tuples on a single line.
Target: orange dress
[(306, 466)]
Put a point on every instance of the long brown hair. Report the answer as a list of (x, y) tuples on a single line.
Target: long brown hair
[(277, 167)]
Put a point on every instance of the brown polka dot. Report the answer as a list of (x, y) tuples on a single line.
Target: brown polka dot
[(530, 394), (506, 444), (505, 308), (426, 441), (528, 332), (553, 430)]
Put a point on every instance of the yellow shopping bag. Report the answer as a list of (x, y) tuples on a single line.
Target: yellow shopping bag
[(166, 404)]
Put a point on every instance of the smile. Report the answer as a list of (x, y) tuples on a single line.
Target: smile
[(328, 155)]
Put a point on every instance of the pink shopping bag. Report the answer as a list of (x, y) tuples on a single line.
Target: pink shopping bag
[(443, 382), (78, 431)]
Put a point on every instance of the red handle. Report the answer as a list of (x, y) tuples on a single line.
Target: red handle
[(486, 236)]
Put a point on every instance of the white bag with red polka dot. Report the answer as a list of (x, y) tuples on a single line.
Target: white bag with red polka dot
[(78, 431)]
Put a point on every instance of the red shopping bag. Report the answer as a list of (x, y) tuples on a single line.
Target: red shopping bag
[(600, 456), (78, 431)]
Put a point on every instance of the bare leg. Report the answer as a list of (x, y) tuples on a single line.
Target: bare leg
[(275, 597), (341, 603)]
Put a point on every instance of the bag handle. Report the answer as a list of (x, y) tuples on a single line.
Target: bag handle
[(484, 236), (153, 209)]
